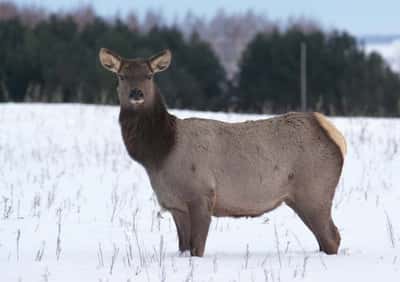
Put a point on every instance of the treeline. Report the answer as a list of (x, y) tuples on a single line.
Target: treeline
[(342, 79), (54, 58), (56, 62)]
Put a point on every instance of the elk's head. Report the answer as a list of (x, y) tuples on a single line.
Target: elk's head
[(136, 89)]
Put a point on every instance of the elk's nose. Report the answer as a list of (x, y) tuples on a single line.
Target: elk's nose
[(136, 94)]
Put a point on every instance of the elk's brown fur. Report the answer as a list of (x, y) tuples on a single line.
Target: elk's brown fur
[(200, 168), (149, 136)]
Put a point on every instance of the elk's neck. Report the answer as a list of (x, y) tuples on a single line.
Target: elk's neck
[(149, 136)]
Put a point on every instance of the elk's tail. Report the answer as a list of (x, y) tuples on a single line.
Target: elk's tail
[(334, 134)]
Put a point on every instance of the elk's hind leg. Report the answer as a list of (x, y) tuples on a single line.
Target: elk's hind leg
[(182, 223), (313, 189), (318, 219)]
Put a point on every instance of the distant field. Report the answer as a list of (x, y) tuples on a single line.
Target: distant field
[(74, 207)]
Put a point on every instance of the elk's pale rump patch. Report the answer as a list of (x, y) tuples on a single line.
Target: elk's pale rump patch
[(333, 133)]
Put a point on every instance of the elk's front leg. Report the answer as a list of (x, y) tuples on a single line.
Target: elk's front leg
[(200, 218), (182, 223)]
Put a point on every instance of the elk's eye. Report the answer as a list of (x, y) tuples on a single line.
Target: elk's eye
[(121, 77), (149, 76)]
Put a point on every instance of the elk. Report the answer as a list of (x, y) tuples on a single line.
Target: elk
[(199, 168)]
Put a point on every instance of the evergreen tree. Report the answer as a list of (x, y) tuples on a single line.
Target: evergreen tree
[(341, 78)]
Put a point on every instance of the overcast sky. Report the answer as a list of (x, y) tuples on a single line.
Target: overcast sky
[(360, 17)]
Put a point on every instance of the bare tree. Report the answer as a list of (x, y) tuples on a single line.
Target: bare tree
[(8, 10), (83, 16), (132, 21), (32, 15), (152, 19), (228, 34)]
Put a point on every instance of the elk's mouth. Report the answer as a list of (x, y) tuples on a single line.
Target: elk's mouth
[(136, 102)]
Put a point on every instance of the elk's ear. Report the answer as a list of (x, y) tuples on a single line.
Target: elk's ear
[(110, 60), (160, 61)]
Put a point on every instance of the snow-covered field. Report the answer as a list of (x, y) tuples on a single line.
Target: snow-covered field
[(74, 207)]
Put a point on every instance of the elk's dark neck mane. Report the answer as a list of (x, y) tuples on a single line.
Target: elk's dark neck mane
[(149, 135)]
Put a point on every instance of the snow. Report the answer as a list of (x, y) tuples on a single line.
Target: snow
[(389, 51), (74, 207)]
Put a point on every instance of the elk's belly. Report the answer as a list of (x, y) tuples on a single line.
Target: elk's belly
[(251, 202), (251, 190), (245, 209)]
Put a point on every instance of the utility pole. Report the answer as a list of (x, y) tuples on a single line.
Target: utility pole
[(303, 76)]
